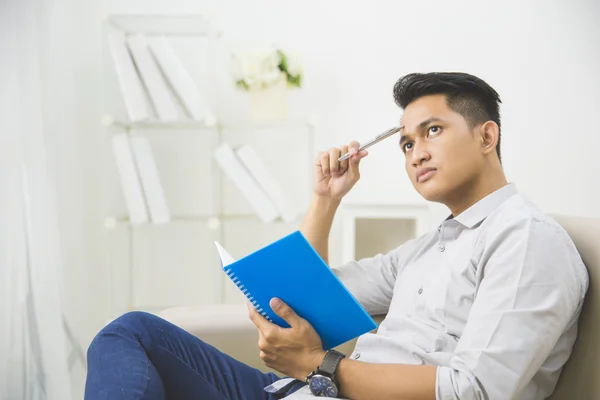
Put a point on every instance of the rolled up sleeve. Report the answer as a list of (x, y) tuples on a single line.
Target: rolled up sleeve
[(531, 285)]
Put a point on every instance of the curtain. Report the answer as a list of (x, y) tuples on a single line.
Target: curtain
[(33, 345)]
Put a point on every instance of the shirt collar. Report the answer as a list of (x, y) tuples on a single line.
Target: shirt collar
[(484, 207)]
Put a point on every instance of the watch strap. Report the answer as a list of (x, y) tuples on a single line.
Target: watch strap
[(330, 363)]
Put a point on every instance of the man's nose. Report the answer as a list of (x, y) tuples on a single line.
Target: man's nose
[(419, 155)]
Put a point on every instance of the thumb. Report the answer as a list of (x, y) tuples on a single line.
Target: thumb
[(285, 312), (353, 163)]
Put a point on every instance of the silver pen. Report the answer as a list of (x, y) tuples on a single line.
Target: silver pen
[(371, 142)]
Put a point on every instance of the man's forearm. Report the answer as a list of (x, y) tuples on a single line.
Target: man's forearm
[(317, 222), (360, 380)]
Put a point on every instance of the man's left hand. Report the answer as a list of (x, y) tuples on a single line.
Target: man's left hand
[(294, 351)]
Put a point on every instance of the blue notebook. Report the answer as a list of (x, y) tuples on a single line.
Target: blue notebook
[(293, 271)]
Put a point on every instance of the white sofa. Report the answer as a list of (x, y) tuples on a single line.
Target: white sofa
[(228, 327)]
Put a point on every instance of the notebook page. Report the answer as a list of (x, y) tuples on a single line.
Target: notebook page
[(225, 257)]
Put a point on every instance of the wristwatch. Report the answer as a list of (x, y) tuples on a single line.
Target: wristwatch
[(323, 381)]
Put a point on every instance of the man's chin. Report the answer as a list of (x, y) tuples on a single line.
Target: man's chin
[(430, 192)]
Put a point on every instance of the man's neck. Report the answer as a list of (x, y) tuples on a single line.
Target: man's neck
[(482, 187)]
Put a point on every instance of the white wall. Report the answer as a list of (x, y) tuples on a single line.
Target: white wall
[(542, 56)]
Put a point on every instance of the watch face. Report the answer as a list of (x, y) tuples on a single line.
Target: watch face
[(322, 386)]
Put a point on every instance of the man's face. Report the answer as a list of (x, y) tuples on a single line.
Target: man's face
[(443, 155)]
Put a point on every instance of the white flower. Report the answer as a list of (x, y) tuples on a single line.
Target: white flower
[(294, 65), (257, 69)]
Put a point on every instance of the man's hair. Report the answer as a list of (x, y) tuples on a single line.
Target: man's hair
[(466, 94)]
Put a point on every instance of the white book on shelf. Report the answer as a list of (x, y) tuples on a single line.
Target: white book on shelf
[(243, 179), (153, 80), (130, 183), (178, 76), (267, 182), (129, 82), (153, 190)]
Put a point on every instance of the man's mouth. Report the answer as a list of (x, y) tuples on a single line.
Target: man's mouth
[(425, 174)]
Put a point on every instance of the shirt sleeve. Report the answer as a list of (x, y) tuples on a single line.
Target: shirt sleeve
[(531, 287), (371, 280)]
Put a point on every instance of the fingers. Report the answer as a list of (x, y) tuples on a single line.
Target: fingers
[(342, 165), (334, 164), (285, 312), (355, 159), (266, 354), (356, 155), (261, 322), (328, 162), (323, 162), (263, 345)]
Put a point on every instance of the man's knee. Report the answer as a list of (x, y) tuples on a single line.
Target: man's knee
[(131, 321), (127, 325), (134, 320)]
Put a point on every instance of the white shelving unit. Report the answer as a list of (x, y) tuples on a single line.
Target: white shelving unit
[(174, 24), (153, 267)]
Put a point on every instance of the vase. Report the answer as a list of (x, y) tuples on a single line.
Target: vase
[(269, 104)]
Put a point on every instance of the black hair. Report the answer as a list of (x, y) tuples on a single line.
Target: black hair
[(466, 94)]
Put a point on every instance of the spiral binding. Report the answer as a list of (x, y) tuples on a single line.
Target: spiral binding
[(246, 293)]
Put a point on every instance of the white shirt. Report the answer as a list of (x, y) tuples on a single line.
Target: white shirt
[(491, 298)]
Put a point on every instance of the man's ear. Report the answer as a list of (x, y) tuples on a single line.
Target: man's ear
[(488, 136)]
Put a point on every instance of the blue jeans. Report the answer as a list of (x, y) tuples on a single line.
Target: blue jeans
[(141, 356)]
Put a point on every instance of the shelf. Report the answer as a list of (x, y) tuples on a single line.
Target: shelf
[(158, 125), (197, 25), (201, 125), (154, 266), (214, 220), (287, 123)]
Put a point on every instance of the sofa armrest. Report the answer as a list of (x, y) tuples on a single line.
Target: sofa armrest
[(228, 328), (224, 326)]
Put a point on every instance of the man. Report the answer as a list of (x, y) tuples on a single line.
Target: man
[(483, 307)]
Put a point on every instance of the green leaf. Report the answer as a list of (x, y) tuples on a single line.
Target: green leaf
[(294, 81), (283, 66), (242, 85)]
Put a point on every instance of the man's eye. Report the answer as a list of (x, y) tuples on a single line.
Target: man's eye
[(407, 147), (434, 130)]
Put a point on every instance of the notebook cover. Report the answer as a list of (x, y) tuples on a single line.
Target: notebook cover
[(293, 271)]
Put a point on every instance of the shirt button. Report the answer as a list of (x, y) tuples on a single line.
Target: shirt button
[(420, 290), (442, 246), (356, 356)]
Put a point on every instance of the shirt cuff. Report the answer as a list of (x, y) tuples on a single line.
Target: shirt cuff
[(451, 384), (443, 384)]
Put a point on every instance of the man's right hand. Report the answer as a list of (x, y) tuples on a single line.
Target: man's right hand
[(333, 179)]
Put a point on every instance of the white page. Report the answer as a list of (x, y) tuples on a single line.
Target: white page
[(226, 258)]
